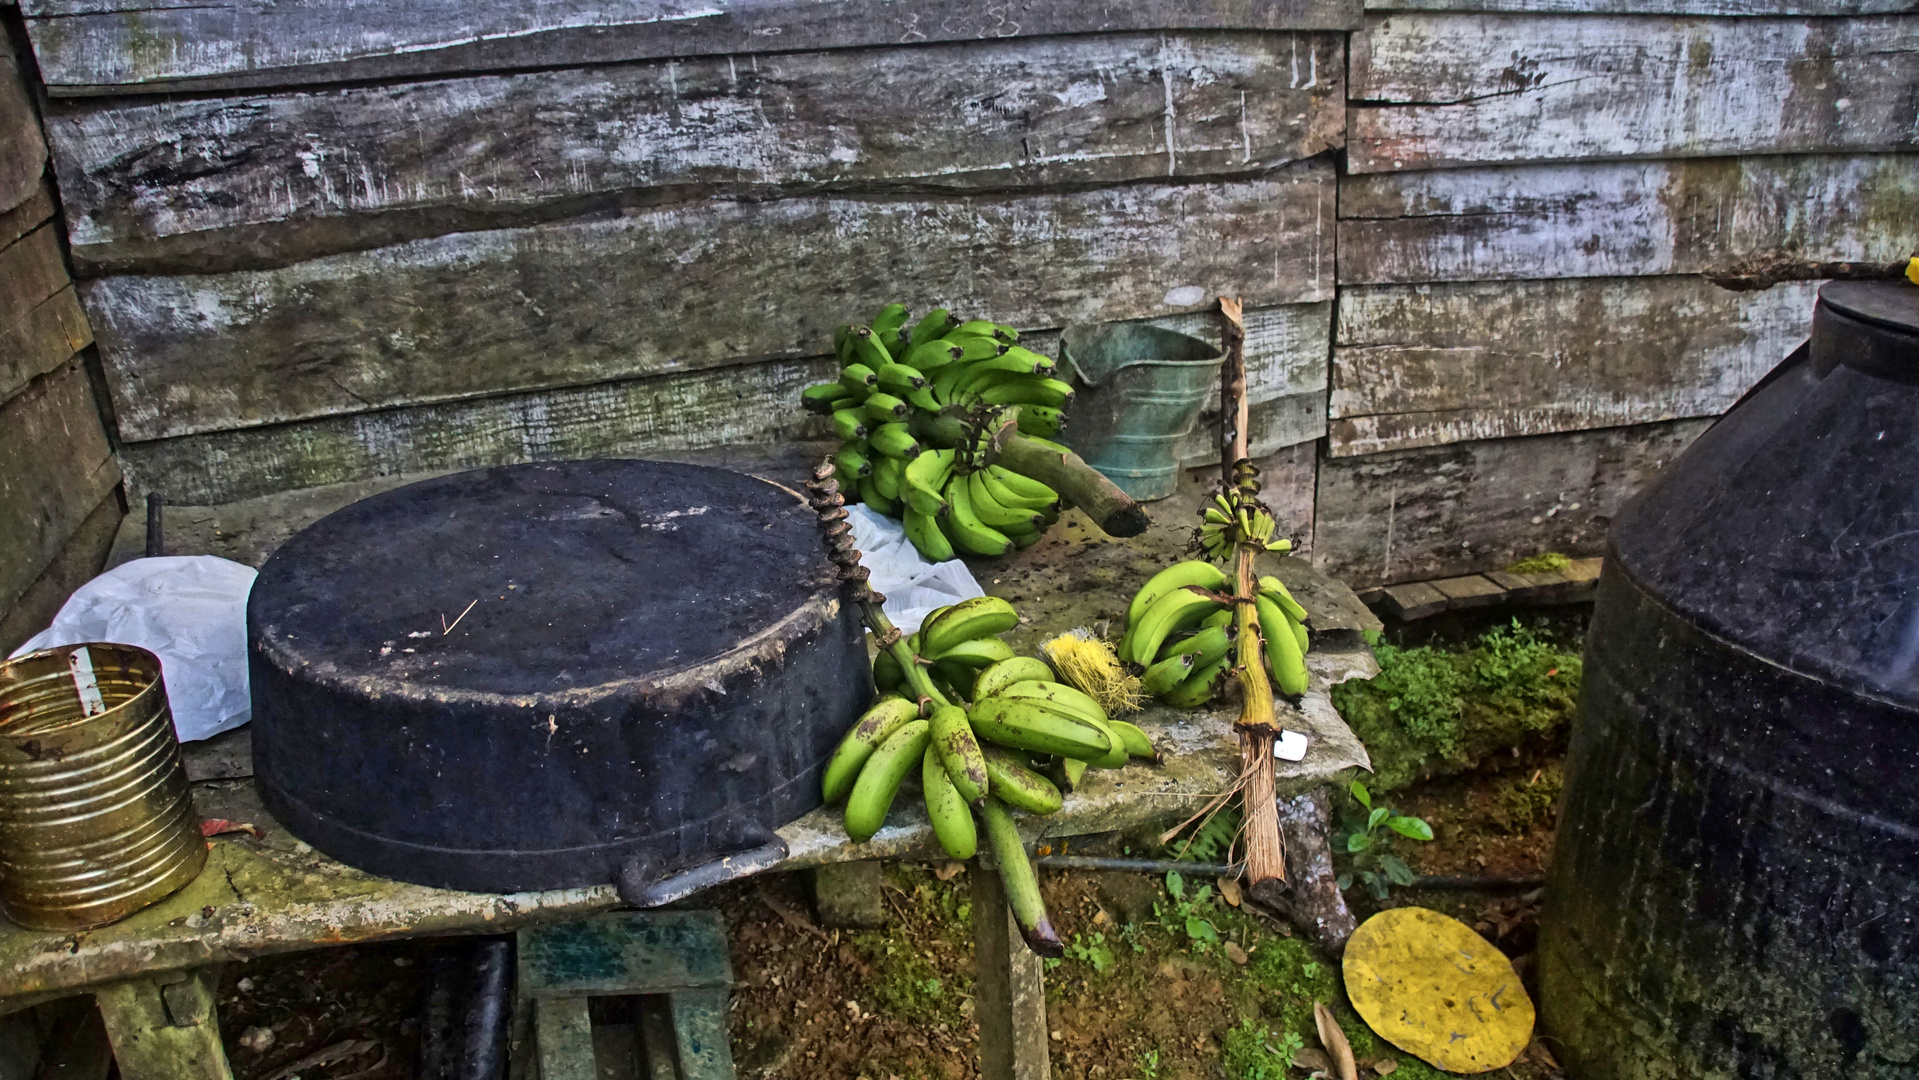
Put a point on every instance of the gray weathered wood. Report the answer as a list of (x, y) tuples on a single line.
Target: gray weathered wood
[(40, 320), (682, 287), (130, 46), (632, 418), (1624, 218), (55, 467), (958, 117), (166, 1027), (564, 1032), (42, 340), (1418, 365), (1009, 993), (1439, 90), (1412, 515), (83, 556), (1656, 7), (31, 270), (33, 211), (23, 152)]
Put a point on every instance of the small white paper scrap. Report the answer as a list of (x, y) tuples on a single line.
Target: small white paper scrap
[(1290, 747)]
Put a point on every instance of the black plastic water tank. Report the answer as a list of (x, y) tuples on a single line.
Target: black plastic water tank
[(1736, 882)]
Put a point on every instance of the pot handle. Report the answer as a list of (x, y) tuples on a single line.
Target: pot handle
[(638, 888)]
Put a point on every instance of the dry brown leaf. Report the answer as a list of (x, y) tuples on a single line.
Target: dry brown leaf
[(1236, 954), (1385, 1066), (1312, 1060), (788, 916), (1229, 891), (1335, 1042), (947, 871)]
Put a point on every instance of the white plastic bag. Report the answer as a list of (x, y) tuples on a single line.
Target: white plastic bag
[(913, 586), (191, 612)]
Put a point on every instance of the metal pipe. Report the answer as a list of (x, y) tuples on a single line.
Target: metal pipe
[(1478, 882)]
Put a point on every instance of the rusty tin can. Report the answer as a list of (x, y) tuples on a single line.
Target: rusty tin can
[(95, 819)]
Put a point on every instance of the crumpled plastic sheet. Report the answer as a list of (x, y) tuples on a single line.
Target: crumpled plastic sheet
[(191, 612), (913, 587)]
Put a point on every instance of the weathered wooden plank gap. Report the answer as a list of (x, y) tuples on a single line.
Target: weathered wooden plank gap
[(682, 288), (971, 117), (1656, 7), (55, 468), (1626, 218), (106, 46), (23, 152), (1422, 365), (1412, 515), (1560, 88)]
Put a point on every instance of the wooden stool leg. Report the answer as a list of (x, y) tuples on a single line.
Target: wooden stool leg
[(564, 1034), (1009, 995), (165, 1028), (699, 1027)]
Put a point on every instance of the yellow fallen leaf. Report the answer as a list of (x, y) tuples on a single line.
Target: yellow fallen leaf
[(1432, 987)]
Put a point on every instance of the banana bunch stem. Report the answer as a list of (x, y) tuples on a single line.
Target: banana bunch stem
[(1080, 484), (1258, 723)]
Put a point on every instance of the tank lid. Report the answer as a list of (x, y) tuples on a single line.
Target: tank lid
[(1894, 305)]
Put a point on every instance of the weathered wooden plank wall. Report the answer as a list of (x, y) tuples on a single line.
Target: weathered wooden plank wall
[(295, 284), (59, 479), (111, 46), (1522, 235)]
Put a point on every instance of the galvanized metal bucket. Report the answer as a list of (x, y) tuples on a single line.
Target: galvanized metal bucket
[(1140, 391), (95, 819)]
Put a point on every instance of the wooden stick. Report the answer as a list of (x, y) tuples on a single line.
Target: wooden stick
[(1234, 412)]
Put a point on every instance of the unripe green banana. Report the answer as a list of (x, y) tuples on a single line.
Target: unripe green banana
[(991, 512), (1026, 364), (1031, 492), (922, 399), (1047, 391), (1282, 649), (964, 527), (819, 397), (957, 679), (889, 475), (959, 751), (868, 349), (1177, 576), (1018, 786), (898, 378), (1170, 614), (968, 620), (894, 440), (1043, 365), (1198, 687), (1031, 725), (890, 319), (1063, 698), (1166, 674), (974, 347), (871, 495), (884, 408), (928, 357), (1278, 593), (1299, 633), (851, 463), (931, 325), (978, 653), (925, 535), (1040, 420), (879, 781), (886, 672), (926, 477), (874, 727), (1007, 672), (858, 379), (1065, 773), (1206, 646), (946, 809), (1137, 744), (1021, 883), (1222, 617), (850, 424), (976, 328), (1005, 495)]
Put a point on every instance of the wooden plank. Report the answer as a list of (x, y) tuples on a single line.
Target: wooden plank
[(633, 418), (1412, 515), (1413, 600), (83, 556), (699, 1034), (269, 173), (44, 338), (1470, 591), (1429, 93), (31, 271), (36, 210), (155, 1036), (565, 1035), (1626, 218), (1420, 365), (1009, 989), (131, 46), (23, 150), (1656, 7), (55, 467), (681, 287)]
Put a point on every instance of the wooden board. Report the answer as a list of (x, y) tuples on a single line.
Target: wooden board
[(1625, 218), (40, 326), (1657, 7), (1429, 92), (679, 288), (23, 152), (35, 210), (130, 46), (1412, 515), (1419, 365), (83, 556), (266, 176), (55, 467), (634, 418)]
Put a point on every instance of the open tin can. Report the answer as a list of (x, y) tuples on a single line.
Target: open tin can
[(95, 819)]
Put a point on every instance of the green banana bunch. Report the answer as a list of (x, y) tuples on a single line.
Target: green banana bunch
[(1179, 626), (894, 370), (974, 736)]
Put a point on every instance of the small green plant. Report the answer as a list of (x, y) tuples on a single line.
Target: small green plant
[(1367, 840), (1546, 562), (1091, 950), (1148, 1064), (1254, 1051), (1189, 914), (1211, 841)]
